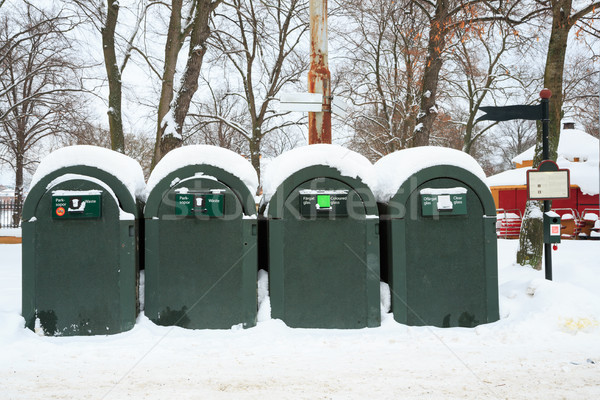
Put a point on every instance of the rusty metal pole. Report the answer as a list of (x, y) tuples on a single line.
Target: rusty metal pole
[(319, 78)]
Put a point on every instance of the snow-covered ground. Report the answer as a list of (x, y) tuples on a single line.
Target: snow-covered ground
[(546, 346)]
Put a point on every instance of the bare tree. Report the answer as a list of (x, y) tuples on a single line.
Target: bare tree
[(215, 131), (581, 92), (188, 21), (481, 74), (383, 45), (39, 78), (179, 29), (117, 51), (564, 17), (396, 52), (137, 146), (516, 137), (259, 40), (447, 21), (171, 125)]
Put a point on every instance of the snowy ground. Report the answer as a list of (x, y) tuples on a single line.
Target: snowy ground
[(546, 346)]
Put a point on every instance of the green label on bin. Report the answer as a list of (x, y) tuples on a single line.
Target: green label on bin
[(439, 203), (324, 200), (194, 204), (75, 206)]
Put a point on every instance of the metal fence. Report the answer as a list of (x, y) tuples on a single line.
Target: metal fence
[(10, 214)]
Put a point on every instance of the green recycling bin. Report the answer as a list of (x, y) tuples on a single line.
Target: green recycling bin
[(80, 243), (323, 244), (201, 235), (438, 239)]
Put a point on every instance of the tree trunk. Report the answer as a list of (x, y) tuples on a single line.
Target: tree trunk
[(468, 138), (431, 74), (255, 154), (19, 164), (555, 62), (531, 238), (172, 128), (173, 46), (114, 77)]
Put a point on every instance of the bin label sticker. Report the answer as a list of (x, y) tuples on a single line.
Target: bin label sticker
[(76, 206), (438, 204), (555, 230), (323, 203), (199, 204)]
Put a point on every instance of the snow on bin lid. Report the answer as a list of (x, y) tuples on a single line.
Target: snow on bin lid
[(395, 168), (204, 154), (347, 162), (124, 168)]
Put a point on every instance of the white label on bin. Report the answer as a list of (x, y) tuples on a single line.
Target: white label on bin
[(554, 229)]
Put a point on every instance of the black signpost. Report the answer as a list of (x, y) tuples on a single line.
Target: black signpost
[(529, 112)]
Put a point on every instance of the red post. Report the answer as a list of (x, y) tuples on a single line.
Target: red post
[(319, 78)]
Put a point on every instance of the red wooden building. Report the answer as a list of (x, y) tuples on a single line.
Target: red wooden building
[(578, 152)]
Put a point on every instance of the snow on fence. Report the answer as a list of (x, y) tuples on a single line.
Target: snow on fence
[(10, 214), (508, 225)]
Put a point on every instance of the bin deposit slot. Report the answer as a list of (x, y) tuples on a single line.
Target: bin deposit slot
[(444, 202), (324, 203)]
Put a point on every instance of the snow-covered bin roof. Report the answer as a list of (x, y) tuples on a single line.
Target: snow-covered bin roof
[(347, 162), (582, 174), (204, 155), (124, 168), (395, 168), (573, 143)]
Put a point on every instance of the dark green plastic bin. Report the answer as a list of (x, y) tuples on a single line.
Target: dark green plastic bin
[(323, 245), (439, 246), (80, 245), (201, 234)]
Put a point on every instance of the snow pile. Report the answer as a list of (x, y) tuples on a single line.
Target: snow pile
[(395, 168), (124, 168), (347, 162), (204, 155), (546, 345), (264, 300), (590, 216)]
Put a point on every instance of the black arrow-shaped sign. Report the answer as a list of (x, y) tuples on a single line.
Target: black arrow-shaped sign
[(507, 113)]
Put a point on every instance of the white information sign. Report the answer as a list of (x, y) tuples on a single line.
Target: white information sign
[(311, 102), (339, 107), (303, 102), (546, 185)]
